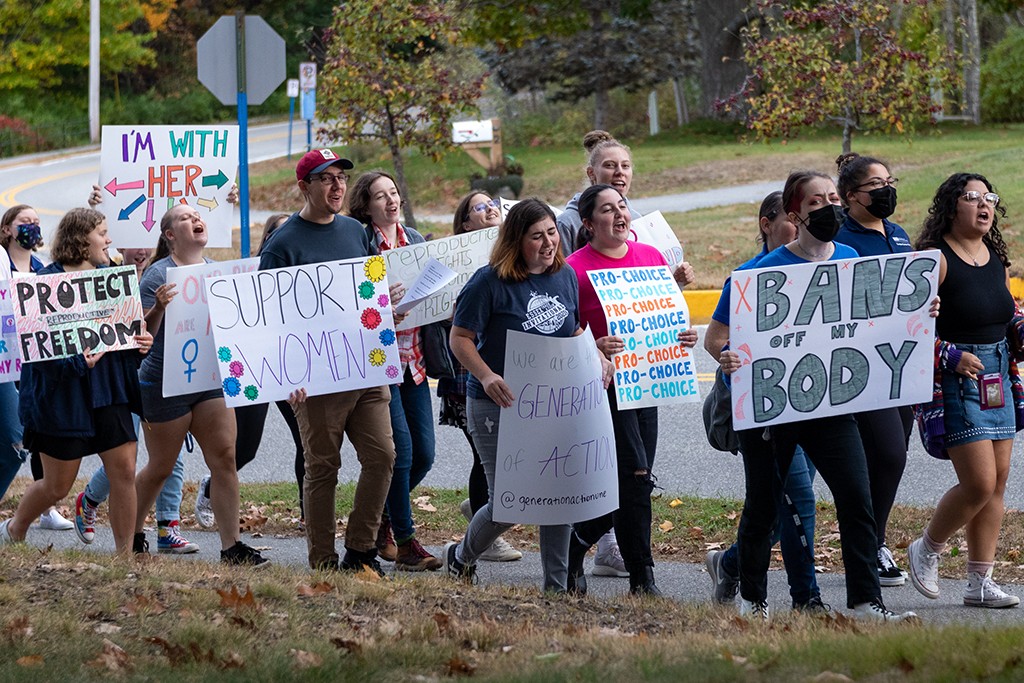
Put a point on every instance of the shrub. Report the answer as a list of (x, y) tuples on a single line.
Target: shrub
[(1002, 89)]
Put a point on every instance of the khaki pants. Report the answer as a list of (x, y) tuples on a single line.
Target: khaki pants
[(323, 421)]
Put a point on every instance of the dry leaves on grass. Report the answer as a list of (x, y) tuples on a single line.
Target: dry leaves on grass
[(30, 661), (444, 622), (178, 655), (143, 604), (423, 503), (347, 644), (306, 660), (321, 588), (666, 526), (237, 601), (17, 629), (460, 667), (112, 658)]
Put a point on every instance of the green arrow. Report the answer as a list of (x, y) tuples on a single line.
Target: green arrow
[(217, 180)]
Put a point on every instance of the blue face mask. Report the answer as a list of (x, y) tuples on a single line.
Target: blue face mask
[(29, 235)]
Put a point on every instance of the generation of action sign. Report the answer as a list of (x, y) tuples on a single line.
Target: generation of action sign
[(644, 307)]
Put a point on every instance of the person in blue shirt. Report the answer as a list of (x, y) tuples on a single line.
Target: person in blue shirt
[(868, 191)]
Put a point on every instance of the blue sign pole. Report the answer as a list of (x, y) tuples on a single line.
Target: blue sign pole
[(291, 117), (243, 135)]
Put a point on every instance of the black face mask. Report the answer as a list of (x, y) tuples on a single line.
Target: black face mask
[(883, 201), (823, 223)]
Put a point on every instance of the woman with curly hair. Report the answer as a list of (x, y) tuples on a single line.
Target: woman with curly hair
[(971, 419)]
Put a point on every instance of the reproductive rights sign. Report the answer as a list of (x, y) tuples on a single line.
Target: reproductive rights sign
[(556, 445), (645, 308), (832, 338), (325, 327), (463, 253), (190, 356), (146, 170), (65, 314), (10, 356)]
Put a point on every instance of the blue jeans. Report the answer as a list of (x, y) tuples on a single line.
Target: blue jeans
[(412, 422), (797, 557), (10, 436), (168, 502)]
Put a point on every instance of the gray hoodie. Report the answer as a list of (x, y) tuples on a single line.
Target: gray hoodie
[(569, 223)]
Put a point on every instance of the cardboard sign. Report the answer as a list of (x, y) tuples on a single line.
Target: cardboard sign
[(65, 314), (146, 170), (325, 327), (645, 308), (556, 445), (472, 131), (832, 337), (10, 354), (463, 254), (654, 230), (190, 356)]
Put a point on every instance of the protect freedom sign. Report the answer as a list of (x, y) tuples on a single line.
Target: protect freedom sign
[(645, 308), (556, 446), (10, 357), (832, 338), (324, 327), (66, 314)]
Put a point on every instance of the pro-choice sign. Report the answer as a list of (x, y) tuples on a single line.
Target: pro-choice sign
[(832, 338)]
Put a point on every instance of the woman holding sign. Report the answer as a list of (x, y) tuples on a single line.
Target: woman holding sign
[(183, 237), (376, 203), (831, 443), (606, 218), (978, 400), (524, 288), (74, 407)]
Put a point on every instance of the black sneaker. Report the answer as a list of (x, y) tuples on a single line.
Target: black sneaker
[(242, 555), (812, 606), (454, 568), (140, 546), (889, 574), (355, 561)]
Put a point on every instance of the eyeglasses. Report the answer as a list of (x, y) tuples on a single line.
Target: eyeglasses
[(483, 206), (330, 178), (878, 183), (975, 197)]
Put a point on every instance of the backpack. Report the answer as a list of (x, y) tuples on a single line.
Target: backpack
[(718, 417)]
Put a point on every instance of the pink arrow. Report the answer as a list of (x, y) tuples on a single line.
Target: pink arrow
[(148, 223), (112, 187)]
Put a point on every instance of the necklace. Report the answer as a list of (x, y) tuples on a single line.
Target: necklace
[(814, 257), (966, 253)]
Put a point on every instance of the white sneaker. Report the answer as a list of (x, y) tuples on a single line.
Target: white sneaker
[(5, 535), (924, 569), (500, 551), (982, 591), (204, 512), (610, 563), (52, 520), (754, 611), (876, 611)]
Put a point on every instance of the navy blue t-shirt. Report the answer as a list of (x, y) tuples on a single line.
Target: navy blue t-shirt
[(541, 304), (868, 242)]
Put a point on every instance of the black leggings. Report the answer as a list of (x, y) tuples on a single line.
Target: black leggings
[(250, 421), (478, 496), (886, 437)]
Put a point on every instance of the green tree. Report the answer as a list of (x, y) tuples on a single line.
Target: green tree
[(861, 64), (394, 72)]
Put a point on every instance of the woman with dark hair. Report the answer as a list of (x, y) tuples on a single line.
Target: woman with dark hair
[(831, 443), (606, 220), (868, 192), (476, 211), (11, 431), (971, 419), (74, 407), (525, 282), (375, 202)]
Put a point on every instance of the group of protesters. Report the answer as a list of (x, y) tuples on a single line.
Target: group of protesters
[(81, 405)]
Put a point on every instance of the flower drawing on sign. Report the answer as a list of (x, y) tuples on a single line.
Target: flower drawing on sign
[(383, 301), (370, 318), (236, 368), (232, 387), (387, 337), (366, 290), (251, 392), (377, 357), (391, 372), (224, 354), (375, 268)]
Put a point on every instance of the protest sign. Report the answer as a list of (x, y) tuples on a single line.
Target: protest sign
[(65, 314), (832, 338), (325, 327), (556, 445), (190, 356), (463, 254), (644, 307), (654, 230), (504, 205), (434, 276), (146, 170), (10, 356)]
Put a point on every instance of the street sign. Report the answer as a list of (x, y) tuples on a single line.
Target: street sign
[(217, 57), (293, 87)]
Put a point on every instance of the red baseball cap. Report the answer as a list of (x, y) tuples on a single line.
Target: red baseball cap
[(317, 160)]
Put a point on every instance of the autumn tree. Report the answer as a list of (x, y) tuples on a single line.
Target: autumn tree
[(394, 72), (864, 65)]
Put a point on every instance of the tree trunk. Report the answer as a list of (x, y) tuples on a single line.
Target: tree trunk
[(723, 71), (847, 136), (601, 98), (682, 115), (396, 159), (972, 60), (601, 103)]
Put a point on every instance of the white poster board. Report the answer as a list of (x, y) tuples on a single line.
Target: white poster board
[(556, 445), (643, 306), (146, 170), (10, 355), (464, 254), (504, 205), (472, 131), (654, 230), (325, 327), (832, 338), (190, 356)]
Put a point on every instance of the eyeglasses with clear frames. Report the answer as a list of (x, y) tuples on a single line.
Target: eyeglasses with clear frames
[(877, 183), (483, 206), (330, 178), (975, 197)]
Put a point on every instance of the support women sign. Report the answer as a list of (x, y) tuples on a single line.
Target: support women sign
[(190, 356), (65, 314), (322, 327), (644, 307), (146, 170), (556, 445), (832, 338)]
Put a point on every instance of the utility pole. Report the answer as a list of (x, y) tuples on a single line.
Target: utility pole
[(94, 71)]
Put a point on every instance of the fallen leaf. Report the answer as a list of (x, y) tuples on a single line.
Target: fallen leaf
[(112, 658), (423, 503), (236, 600), (18, 629), (367, 574), (905, 665), (675, 503), (347, 644), (443, 621), (306, 660), (713, 546), (830, 677), (732, 515), (142, 603), (316, 589), (389, 627), (30, 661), (460, 667), (666, 526), (106, 629), (696, 532), (232, 661)]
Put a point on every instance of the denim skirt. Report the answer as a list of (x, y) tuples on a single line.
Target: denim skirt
[(965, 421)]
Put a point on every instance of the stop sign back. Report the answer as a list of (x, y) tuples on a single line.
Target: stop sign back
[(217, 57)]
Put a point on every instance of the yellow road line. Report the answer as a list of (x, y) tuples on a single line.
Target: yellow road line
[(10, 197)]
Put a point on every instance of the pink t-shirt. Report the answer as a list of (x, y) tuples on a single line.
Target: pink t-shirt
[(588, 258)]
